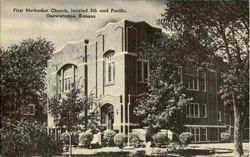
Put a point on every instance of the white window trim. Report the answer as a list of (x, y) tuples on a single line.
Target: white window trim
[(59, 86), (199, 133), (205, 133), (198, 84), (205, 106), (67, 82), (205, 82), (196, 76), (109, 60), (195, 133), (219, 116), (180, 73), (189, 111), (143, 61)]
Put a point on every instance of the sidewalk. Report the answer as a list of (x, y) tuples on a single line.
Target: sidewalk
[(220, 149)]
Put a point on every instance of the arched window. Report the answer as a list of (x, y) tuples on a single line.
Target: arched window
[(109, 67), (67, 76)]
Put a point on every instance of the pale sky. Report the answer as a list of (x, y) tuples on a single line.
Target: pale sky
[(18, 26)]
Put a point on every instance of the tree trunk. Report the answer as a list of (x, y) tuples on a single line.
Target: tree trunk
[(242, 127), (70, 144), (238, 151)]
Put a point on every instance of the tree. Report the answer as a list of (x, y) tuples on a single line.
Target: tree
[(161, 106), (68, 111), (23, 70), (27, 138), (223, 27)]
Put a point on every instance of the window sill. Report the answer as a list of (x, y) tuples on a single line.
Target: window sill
[(193, 117), (109, 84), (142, 82), (196, 90)]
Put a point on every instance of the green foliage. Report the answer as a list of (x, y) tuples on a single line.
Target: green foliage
[(109, 136), (134, 139), (160, 139), (86, 138), (185, 138), (225, 137), (120, 139)]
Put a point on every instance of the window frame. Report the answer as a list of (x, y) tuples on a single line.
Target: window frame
[(204, 76), (65, 79), (204, 106), (109, 68), (205, 134), (192, 75), (142, 58), (192, 114), (180, 73), (219, 116), (195, 135)]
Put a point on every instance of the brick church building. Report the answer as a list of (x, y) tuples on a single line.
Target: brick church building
[(116, 72)]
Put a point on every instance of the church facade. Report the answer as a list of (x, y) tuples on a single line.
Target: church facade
[(114, 70)]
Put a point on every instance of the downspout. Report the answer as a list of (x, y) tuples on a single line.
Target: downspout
[(86, 80)]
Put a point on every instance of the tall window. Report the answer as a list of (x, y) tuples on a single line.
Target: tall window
[(110, 68), (193, 110), (59, 86), (203, 81), (180, 73), (142, 67), (204, 110), (195, 132), (68, 82), (219, 116), (76, 73), (66, 77), (191, 78), (204, 134)]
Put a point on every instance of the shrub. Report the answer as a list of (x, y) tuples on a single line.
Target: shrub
[(185, 138), (120, 139), (225, 137), (160, 139), (86, 139), (135, 140), (109, 136), (64, 137), (75, 138), (55, 147)]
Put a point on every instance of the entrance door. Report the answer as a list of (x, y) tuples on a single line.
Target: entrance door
[(107, 114), (110, 117)]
